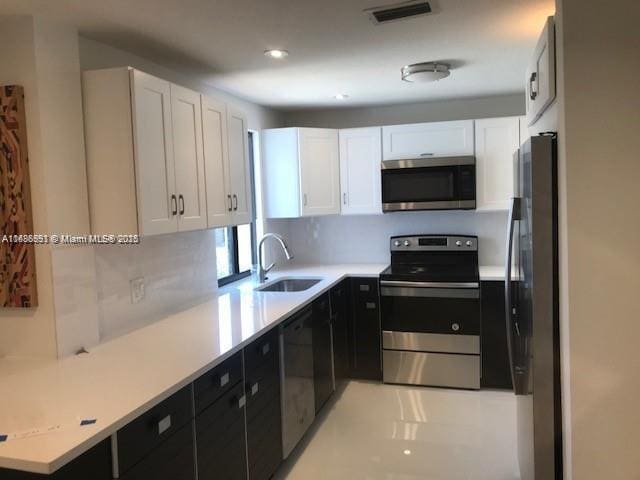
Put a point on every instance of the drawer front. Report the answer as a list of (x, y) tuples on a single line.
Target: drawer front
[(264, 350), (217, 381), (153, 427), (431, 342), (220, 436), (432, 369), (172, 460), (364, 289)]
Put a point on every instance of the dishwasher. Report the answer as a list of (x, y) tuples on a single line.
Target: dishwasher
[(298, 403)]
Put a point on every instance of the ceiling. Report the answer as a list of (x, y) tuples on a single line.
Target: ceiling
[(334, 47)]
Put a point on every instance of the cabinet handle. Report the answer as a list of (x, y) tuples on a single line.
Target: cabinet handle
[(235, 199), (266, 348), (371, 306), (224, 379), (254, 389), (174, 203), (344, 198), (428, 154), (304, 199), (532, 93), (230, 202), (242, 401), (181, 199), (164, 424)]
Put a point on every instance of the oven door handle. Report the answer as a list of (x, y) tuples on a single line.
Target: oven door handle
[(399, 283), (395, 291)]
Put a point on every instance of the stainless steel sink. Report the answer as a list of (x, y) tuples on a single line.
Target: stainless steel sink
[(290, 285)]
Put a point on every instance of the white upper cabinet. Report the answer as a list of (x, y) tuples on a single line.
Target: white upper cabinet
[(150, 169), (360, 182), (239, 169), (541, 74), (301, 172), (154, 157), (427, 139), (216, 158), (186, 119), (496, 141)]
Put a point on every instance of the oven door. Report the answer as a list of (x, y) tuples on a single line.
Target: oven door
[(451, 309), (429, 184)]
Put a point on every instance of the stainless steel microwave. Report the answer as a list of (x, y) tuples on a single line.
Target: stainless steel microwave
[(438, 183)]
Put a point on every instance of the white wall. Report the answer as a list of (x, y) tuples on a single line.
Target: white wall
[(365, 238), (600, 227), (457, 109)]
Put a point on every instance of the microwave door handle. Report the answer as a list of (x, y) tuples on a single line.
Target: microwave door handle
[(514, 215)]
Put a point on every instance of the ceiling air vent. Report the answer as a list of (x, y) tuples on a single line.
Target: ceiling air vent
[(398, 11)]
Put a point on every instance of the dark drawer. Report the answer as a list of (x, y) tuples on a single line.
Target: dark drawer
[(220, 436), (217, 381), (364, 289), (172, 460), (264, 350), (153, 427)]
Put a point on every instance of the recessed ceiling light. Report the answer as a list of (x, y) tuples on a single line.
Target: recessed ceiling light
[(275, 53), (407, 452), (425, 72), (341, 96)]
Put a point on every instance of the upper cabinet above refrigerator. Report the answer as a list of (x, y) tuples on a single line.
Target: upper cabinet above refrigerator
[(541, 74), (301, 172), (425, 140)]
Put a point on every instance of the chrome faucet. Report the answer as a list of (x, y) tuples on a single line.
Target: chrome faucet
[(262, 271)]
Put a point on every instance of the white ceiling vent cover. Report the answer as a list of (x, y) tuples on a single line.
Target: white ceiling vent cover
[(398, 11)]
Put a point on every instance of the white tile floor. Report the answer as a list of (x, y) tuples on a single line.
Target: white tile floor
[(375, 431)]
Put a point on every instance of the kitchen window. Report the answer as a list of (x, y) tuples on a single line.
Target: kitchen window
[(236, 246)]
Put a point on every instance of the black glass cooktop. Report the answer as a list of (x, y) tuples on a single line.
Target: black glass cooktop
[(431, 273)]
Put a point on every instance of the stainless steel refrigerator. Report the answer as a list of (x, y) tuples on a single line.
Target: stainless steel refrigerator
[(531, 303)]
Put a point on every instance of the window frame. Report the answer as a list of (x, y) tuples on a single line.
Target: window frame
[(233, 229)]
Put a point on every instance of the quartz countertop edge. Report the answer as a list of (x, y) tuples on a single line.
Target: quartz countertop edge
[(45, 393), (490, 273)]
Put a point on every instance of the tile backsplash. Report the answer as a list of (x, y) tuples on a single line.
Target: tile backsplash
[(92, 285)]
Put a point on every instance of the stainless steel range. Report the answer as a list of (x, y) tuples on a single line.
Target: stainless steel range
[(430, 296)]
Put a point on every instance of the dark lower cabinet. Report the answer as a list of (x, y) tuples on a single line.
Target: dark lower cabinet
[(171, 460), (95, 464), (365, 346), (264, 419), (220, 438), (340, 320), (322, 358), (495, 356)]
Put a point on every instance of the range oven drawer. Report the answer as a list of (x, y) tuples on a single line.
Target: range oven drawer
[(431, 342), (431, 369)]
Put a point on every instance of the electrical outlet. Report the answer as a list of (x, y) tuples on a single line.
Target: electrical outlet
[(137, 289)]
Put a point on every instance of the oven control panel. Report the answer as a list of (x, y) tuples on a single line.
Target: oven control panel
[(434, 243)]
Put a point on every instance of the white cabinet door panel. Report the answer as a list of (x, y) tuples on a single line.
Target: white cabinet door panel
[(541, 74), (239, 169), (189, 159), (155, 180), (496, 141), (319, 171), (216, 158), (360, 182), (427, 139)]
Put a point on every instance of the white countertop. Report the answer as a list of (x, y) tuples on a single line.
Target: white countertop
[(122, 378), (494, 273)]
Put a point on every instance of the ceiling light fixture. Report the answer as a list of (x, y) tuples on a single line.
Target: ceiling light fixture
[(275, 53), (425, 72), (341, 96)]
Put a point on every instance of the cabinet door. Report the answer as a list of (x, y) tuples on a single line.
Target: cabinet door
[(496, 141), (366, 360), (541, 74), (323, 382), (427, 139), (216, 162), (496, 372), (186, 117), (239, 170), (340, 320), (155, 172), (319, 171), (360, 182)]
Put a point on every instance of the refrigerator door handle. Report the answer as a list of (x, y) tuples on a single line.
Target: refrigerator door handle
[(514, 215)]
